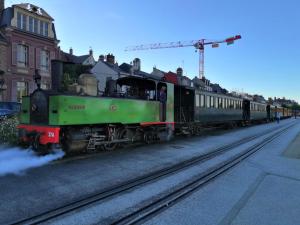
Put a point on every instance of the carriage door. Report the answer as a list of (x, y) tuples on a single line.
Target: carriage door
[(246, 109)]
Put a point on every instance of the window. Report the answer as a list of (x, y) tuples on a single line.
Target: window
[(21, 21), (22, 55), (231, 104), (220, 102), (46, 29), (22, 90), (197, 100), (41, 28), (216, 102), (202, 99), (33, 25), (44, 26), (207, 101), (45, 59), (212, 101), (223, 103)]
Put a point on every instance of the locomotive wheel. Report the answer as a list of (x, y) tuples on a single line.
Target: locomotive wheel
[(110, 147), (124, 133)]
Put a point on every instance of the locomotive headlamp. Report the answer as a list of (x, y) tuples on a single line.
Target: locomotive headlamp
[(37, 78)]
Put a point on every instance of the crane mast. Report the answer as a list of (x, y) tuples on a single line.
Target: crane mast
[(198, 44)]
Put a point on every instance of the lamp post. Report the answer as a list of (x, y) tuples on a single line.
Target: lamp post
[(37, 78)]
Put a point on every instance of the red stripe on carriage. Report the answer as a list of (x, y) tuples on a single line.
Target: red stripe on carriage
[(47, 134)]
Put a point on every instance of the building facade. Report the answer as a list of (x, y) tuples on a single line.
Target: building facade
[(85, 60), (30, 44)]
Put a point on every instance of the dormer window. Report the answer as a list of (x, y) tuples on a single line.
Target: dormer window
[(21, 21), (33, 25), (44, 26)]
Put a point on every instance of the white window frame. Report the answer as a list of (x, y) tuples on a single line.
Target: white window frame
[(22, 55), (44, 60)]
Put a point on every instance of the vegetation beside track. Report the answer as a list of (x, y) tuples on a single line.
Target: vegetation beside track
[(8, 130)]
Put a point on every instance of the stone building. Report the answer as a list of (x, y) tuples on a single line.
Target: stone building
[(85, 60), (28, 42)]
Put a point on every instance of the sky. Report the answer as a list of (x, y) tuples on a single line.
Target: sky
[(265, 61)]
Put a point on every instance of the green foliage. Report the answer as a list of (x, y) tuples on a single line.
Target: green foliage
[(66, 80), (72, 72), (294, 107), (8, 130)]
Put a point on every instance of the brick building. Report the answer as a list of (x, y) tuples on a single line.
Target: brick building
[(27, 42)]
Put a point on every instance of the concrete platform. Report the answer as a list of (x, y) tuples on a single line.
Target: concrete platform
[(276, 201), (264, 189), (293, 150)]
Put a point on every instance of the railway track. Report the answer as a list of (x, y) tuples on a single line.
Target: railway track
[(147, 211)]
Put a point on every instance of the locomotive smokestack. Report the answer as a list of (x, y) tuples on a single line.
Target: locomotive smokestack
[(56, 74)]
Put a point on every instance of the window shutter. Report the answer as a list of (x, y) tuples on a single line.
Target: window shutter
[(14, 54), (37, 58), (31, 57)]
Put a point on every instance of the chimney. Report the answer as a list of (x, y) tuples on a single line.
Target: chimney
[(101, 58), (136, 64), (57, 74), (179, 71), (91, 52), (1, 7), (110, 58), (71, 51)]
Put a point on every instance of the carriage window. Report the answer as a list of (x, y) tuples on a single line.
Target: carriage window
[(202, 103), (207, 101), (212, 101), (197, 100)]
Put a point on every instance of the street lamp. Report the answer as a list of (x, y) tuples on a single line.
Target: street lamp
[(37, 78)]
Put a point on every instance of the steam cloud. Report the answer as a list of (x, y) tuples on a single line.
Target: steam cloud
[(15, 160)]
